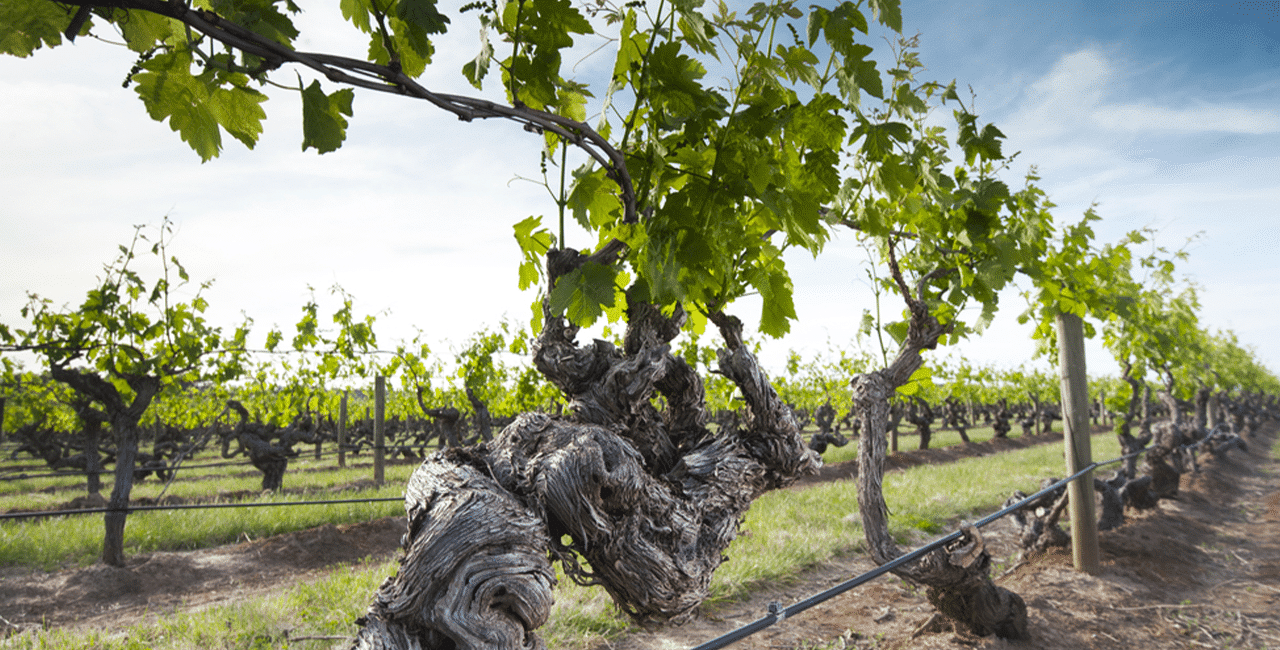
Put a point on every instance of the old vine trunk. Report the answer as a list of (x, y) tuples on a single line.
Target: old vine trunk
[(649, 498), (956, 576)]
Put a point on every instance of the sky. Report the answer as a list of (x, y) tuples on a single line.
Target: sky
[(1164, 114)]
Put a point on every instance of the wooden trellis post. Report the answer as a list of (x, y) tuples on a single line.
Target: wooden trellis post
[(1075, 422), (342, 431), (379, 411)]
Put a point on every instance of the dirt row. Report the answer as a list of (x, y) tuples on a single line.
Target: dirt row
[(154, 584)]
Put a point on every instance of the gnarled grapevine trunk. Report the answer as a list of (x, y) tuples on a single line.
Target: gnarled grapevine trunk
[(484, 421), (1037, 521), (828, 429), (124, 422), (254, 440), (649, 498), (475, 572), (956, 576)]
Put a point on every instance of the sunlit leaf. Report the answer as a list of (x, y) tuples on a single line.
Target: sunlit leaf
[(28, 25)]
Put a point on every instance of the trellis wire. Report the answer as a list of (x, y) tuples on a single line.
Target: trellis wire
[(352, 449), (778, 613), (189, 506)]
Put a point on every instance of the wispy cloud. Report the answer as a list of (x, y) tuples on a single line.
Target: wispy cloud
[(1078, 92), (1064, 97), (1198, 119)]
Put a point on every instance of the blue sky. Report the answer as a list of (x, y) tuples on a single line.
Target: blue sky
[(1167, 114)]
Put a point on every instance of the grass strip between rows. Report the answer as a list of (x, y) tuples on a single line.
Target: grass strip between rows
[(76, 540)]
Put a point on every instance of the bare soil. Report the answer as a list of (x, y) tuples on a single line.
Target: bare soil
[(1199, 571)]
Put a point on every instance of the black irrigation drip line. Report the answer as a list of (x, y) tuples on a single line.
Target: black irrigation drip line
[(190, 506), (138, 468), (777, 613), (73, 473), (239, 463), (392, 445)]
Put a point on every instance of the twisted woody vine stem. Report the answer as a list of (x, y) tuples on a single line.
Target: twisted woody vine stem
[(957, 577), (649, 497)]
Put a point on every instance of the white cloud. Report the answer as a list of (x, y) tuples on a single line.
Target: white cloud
[(1237, 170), (1146, 117), (1064, 97), (1080, 75), (1072, 97)]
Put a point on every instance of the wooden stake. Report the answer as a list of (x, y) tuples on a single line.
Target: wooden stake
[(1075, 421), (342, 431), (379, 411)]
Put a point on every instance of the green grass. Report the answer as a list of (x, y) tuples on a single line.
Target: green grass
[(785, 532), (581, 616), (304, 474), (791, 529), (76, 540)]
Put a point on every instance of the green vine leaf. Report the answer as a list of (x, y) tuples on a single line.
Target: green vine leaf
[(888, 12), (584, 293), (921, 380), (778, 308), (324, 126), (591, 200), (144, 30), (534, 243), (259, 16), (422, 18), (477, 69), (28, 25)]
